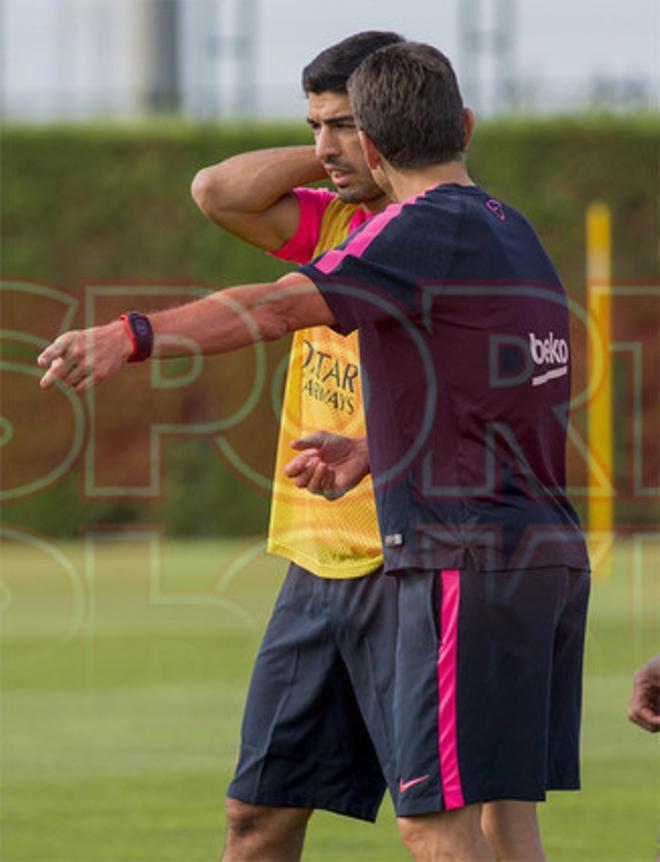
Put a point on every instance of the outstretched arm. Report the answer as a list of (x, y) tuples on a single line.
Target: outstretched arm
[(329, 464), (644, 708), (224, 321), (250, 194)]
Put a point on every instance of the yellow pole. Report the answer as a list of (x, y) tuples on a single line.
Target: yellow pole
[(599, 366)]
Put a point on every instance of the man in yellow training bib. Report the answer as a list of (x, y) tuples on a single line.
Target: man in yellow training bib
[(316, 731)]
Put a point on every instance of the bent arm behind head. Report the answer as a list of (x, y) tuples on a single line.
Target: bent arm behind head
[(250, 194)]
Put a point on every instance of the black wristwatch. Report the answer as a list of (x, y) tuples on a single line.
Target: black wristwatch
[(141, 334)]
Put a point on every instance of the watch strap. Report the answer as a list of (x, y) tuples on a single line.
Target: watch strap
[(138, 329)]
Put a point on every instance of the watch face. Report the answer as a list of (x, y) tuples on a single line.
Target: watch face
[(141, 335)]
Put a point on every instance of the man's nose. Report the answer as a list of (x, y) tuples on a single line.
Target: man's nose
[(326, 143)]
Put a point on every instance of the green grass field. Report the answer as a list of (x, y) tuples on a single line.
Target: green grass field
[(125, 661)]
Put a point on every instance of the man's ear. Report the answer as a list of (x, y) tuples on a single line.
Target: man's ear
[(372, 157), (468, 126)]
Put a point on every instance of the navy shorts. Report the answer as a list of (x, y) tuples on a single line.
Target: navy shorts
[(317, 728), (488, 686), (450, 689)]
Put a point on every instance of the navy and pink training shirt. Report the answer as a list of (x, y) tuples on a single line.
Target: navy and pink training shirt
[(466, 357)]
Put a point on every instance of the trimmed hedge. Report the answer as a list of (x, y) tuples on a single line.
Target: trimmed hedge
[(111, 204)]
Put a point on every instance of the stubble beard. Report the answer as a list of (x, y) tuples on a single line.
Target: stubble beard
[(362, 192)]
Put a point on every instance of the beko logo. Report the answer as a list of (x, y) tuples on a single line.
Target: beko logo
[(548, 351)]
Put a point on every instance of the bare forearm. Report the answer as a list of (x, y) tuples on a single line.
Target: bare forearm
[(253, 181), (224, 321), (249, 194), (221, 322)]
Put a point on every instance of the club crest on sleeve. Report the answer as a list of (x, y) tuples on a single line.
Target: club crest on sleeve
[(496, 208)]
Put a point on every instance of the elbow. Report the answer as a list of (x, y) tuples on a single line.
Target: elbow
[(201, 190), (209, 191)]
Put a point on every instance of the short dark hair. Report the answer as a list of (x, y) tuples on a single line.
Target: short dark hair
[(331, 69), (406, 98)]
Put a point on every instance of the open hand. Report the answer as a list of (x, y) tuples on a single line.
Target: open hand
[(329, 464)]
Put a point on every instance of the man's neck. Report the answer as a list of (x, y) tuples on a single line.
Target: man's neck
[(376, 205), (409, 184)]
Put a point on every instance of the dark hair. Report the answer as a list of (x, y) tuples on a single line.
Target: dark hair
[(406, 98), (331, 69)]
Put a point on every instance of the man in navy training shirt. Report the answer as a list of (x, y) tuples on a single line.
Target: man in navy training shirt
[(465, 346)]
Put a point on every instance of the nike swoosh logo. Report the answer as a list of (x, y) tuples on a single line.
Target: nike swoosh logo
[(404, 785)]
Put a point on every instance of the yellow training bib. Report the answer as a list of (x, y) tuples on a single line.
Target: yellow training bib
[(332, 539)]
